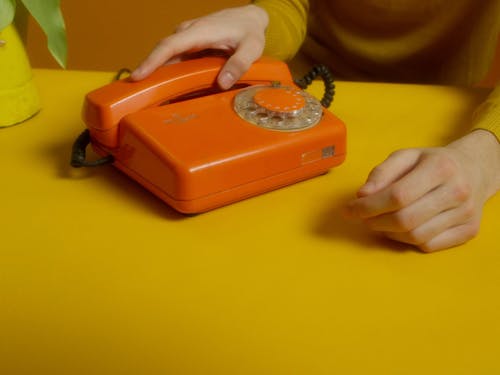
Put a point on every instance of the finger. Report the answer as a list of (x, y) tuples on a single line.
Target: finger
[(392, 169), (441, 199), (452, 237), (172, 46), (430, 172), (173, 60), (247, 52), (439, 224), (162, 53), (184, 25)]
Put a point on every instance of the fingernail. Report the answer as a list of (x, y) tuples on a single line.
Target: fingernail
[(137, 73), (367, 188), (226, 80)]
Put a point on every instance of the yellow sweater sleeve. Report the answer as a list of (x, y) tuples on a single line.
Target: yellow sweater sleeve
[(287, 26), (287, 30), (488, 114)]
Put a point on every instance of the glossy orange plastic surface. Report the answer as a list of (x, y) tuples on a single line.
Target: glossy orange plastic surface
[(192, 149), (105, 107)]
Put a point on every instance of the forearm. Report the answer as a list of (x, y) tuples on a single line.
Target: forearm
[(486, 139), (487, 116), (287, 26)]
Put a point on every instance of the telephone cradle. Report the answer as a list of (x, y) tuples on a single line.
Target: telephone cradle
[(197, 147)]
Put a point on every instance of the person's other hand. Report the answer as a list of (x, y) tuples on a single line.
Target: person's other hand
[(431, 197), (237, 31)]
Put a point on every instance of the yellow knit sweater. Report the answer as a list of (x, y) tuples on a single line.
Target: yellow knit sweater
[(426, 41)]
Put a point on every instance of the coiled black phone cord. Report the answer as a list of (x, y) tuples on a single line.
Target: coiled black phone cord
[(326, 76)]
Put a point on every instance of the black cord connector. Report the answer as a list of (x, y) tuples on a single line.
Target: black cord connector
[(78, 153)]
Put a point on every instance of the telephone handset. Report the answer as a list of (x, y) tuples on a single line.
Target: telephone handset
[(197, 147)]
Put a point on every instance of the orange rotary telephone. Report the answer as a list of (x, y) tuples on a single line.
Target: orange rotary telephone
[(198, 147)]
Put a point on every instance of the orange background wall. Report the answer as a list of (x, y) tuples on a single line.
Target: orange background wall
[(111, 34)]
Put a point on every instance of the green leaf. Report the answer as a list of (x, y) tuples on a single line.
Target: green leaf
[(48, 15), (7, 10)]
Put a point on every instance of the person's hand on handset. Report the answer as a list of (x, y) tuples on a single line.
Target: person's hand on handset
[(237, 31)]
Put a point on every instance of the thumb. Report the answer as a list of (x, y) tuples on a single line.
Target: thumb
[(245, 55)]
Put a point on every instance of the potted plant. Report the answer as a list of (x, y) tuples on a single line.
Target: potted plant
[(18, 96)]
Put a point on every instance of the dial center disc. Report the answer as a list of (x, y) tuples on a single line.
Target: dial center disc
[(281, 108), (280, 99)]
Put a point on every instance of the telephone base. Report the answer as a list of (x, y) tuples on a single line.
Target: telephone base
[(235, 194), (198, 148)]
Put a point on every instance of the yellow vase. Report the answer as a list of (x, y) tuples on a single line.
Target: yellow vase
[(19, 98)]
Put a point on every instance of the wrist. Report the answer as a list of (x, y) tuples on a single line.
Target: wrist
[(483, 147)]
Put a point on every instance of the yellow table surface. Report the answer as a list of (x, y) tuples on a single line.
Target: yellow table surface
[(97, 276)]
